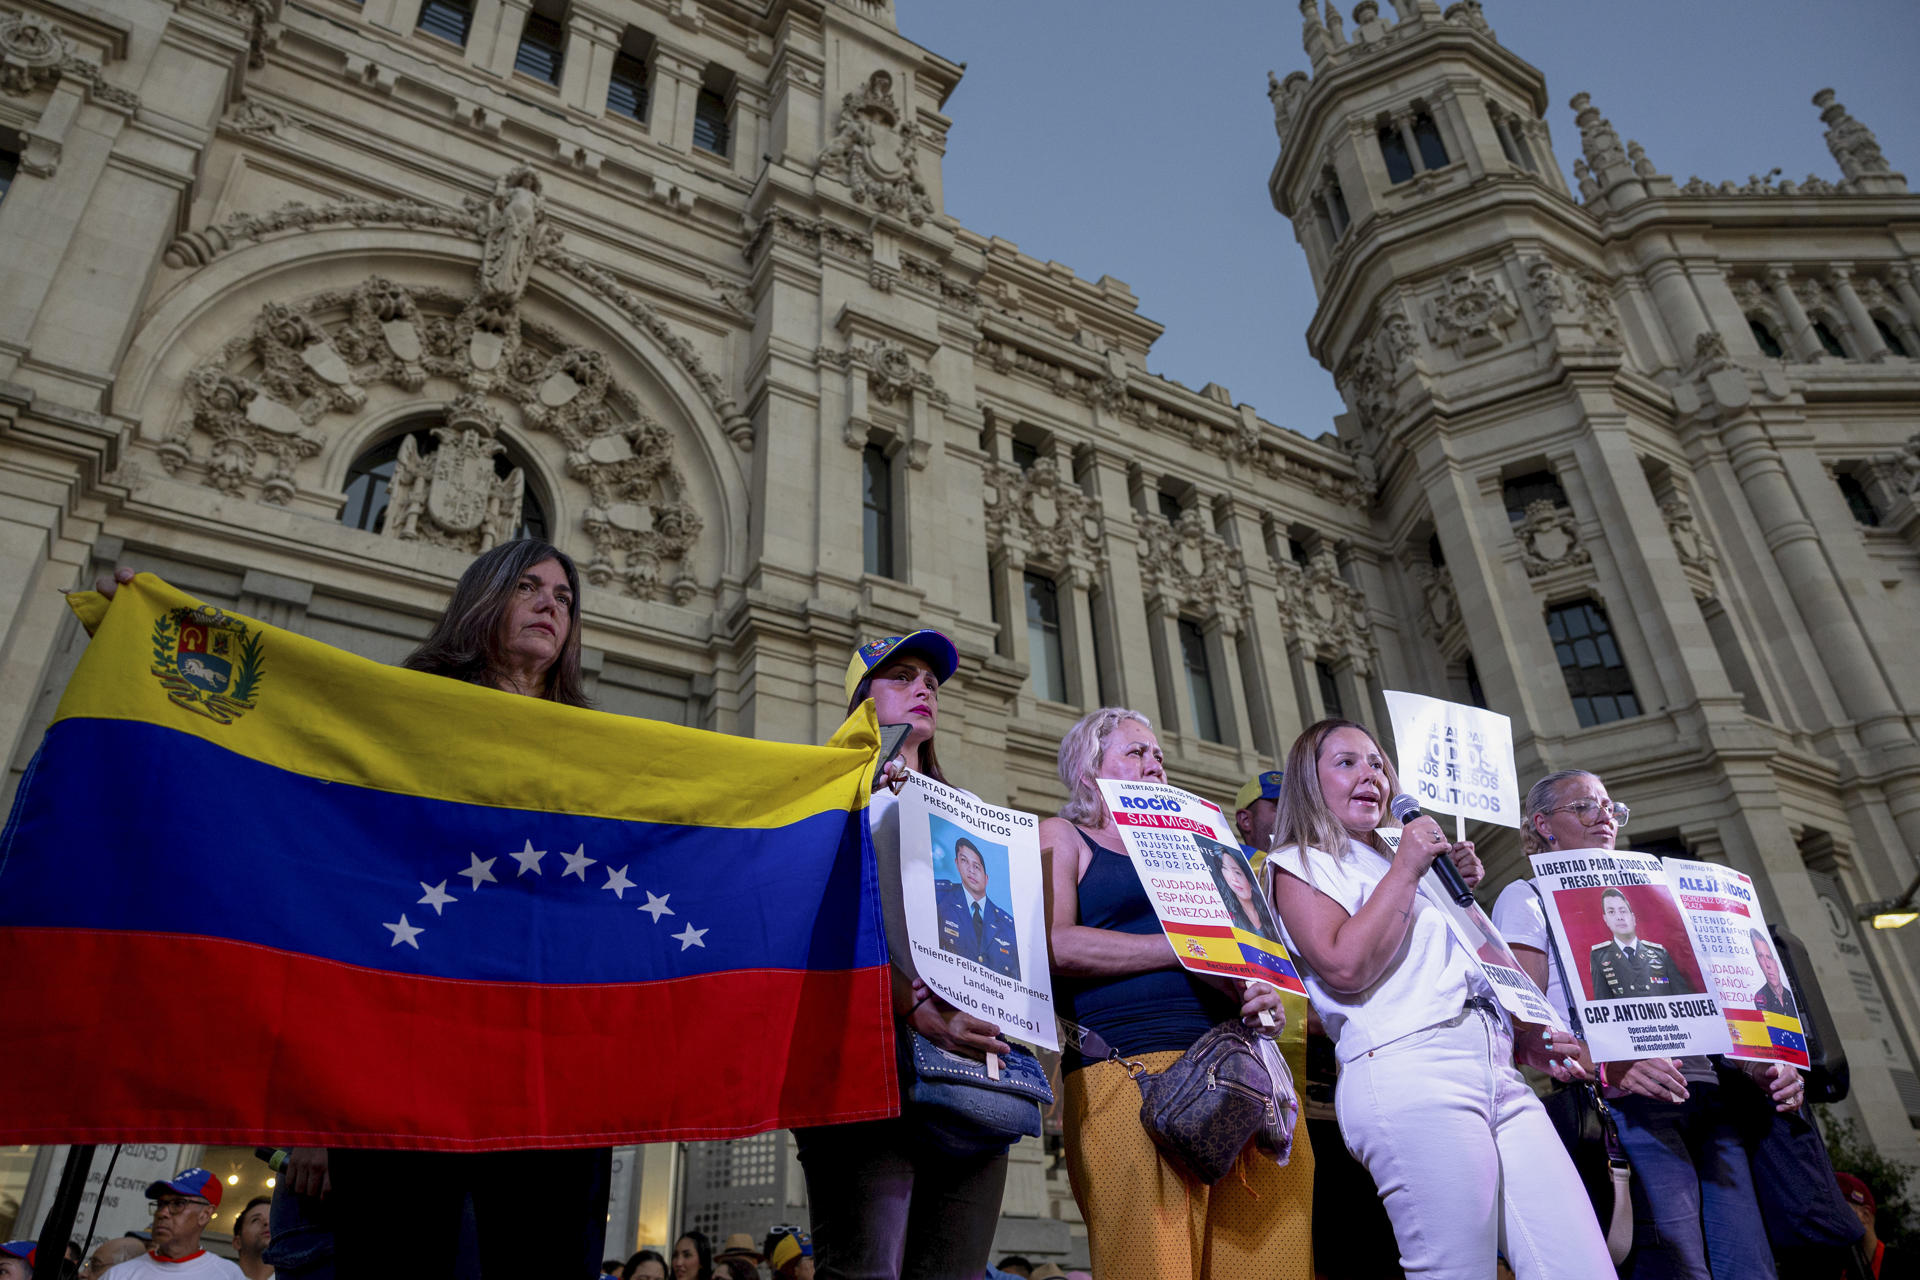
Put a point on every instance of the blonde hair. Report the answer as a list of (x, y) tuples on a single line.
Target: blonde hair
[(1542, 795), (1305, 818), (1080, 753)]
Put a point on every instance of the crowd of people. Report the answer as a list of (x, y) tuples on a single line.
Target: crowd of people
[(1439, 1159)]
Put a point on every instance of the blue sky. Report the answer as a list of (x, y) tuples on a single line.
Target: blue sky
[(1134, 139)]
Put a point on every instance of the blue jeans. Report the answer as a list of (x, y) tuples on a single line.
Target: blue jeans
[(301, 1235), (887, 1205), (1694, 1212)]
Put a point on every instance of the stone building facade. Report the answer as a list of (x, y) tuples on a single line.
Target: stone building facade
[(307, 301)]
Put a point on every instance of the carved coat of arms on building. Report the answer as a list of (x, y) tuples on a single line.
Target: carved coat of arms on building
[(1326, 612), (453, 496), (1471, 313), (1549, 539), (875, 150), (1192, 569), (1042, 517)]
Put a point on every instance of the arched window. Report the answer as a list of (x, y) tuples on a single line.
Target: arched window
[(370, 480), (1888, 336), (1829, 340), (1426, 136), (1764, 335), (1393, 149)]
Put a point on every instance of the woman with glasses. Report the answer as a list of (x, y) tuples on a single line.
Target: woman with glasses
[(1694, 1211)]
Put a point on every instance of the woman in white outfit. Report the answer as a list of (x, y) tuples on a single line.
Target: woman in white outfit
[(1428, 1100)]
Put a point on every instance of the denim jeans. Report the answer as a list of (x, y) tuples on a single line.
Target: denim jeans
[(886, 1205), (301, 1235), (1694, 1212), (1465, 1158)]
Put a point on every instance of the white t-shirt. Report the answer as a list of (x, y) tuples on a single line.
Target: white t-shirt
[(201, 1266), (1428, 980), (1522, 921)]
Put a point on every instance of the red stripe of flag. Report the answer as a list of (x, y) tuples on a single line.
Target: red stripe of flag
[(1202, 930)]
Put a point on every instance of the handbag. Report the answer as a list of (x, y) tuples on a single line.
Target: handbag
[(1580, 1115), (963, 1109), (1218, 1096)]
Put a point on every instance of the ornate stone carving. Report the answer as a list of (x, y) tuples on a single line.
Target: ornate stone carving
[(254, 117), (1751, 298), (1598, 141), (513, 223), (1853, 145), (258, 16), (1549, 539), (875, 151), (1367, 384), (1397, 337), (1042, 517), (1286, 96), (35, 53), (1471, 313), (241, 429), (1189, 568), (640, 525), (1564, 296), (1327, 614), (1442, 601), (452, 496), (1689, 540)]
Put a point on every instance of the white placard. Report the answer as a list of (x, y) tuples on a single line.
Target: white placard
[(1762, 1012), (1455, 758), (1630, 954), (971, 884)]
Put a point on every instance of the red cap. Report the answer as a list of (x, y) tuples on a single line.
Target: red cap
[(1855, 1191)]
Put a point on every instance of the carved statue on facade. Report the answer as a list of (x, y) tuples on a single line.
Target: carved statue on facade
[(1598, 140), (1689, 543), (876, 152), (1286, 96), (1853, 145), (513, 224)]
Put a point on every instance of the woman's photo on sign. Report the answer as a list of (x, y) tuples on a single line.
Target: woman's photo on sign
[(972, 898), (1246, 906)]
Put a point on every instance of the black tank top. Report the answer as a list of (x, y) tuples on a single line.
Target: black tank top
[(1139, 1012)]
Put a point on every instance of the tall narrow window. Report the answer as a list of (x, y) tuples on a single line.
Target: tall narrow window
[(1597, 679), (627, 90), (1329, 691), (1025, 455), (1393, 150), (448, 19), (1888, 336), (1765, 337), (1169, 506), (9, 169), (543, 44), (1043, 639), (1193, 655), (876, 499), (1426, 136), (1337, 205), (1857, 500), (1829, 340), (710, 129)]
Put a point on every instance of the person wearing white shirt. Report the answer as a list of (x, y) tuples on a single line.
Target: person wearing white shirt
[(1428, 1099), (183, 1207)]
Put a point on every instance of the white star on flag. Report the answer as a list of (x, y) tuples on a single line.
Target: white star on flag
[(437, 897), (656, 905), (404, 932), (529, 858), (618, 882), (687, 937), (480, 870), (577, 863)]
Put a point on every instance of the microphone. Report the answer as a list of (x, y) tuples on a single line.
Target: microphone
[(1406, 808)]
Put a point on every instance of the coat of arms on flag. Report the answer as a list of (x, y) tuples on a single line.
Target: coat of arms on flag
[(208, 661)]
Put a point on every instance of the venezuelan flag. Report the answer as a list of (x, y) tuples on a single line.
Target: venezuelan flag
[(1773, 1036), (354, 905)]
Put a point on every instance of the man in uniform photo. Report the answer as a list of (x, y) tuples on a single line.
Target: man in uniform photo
[(970, 925), (1627, 964), (1772, 996)]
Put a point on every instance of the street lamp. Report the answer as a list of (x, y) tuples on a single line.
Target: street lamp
[(1891, 913)]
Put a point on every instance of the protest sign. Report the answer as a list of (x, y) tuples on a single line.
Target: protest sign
[(1455, 758), (1200, 883), (971, 884), (1763, 1016), (1631, 955)]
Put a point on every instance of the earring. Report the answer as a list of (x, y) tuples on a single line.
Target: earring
[(1552, 840)]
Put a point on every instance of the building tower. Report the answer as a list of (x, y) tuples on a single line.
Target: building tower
[(1644, 467)]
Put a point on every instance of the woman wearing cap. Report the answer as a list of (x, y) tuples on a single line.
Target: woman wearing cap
[(1119, 978), (883, 1201), (1695, 1213), (1429, 1101)]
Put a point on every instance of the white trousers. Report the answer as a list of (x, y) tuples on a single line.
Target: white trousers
[(1466, 1159)]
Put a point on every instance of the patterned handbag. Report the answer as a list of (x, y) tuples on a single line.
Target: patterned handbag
[(1216, 1098)]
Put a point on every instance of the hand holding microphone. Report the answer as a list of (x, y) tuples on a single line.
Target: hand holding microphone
[(1407, 810)]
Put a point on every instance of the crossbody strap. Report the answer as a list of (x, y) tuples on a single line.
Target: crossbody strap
[(1616, 1155)]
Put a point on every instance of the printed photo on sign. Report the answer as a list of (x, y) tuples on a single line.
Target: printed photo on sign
[(1200, 884), (1454, 758), (975, 907), (970, 893), (1511, 985), (1631, 955), (1742, 966)]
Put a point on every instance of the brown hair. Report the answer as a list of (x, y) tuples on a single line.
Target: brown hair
[(465, 641), (1542, 795), (1305, 818), (929, 763)]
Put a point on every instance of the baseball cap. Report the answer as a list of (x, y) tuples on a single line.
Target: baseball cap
[(1856, 1191), (24, 1249), (787, 1244), (1262, 786), (189, 1182), (931, 645)]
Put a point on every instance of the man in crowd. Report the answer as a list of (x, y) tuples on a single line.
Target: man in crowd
[(1773, 996), (1253, 811), (251, 1233), (1627, 964), (789, 1253), (16, 1260), (970, 924), (111, 1253), (1872, 1247), (183, 1208)]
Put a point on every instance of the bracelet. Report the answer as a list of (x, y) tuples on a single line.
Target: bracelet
[(917, 1003)]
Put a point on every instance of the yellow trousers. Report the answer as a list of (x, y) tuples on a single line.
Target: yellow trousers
[(1147, 1220)]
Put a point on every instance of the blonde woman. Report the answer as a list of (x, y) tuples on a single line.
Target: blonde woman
[(1466, 1161), (1116, 974)]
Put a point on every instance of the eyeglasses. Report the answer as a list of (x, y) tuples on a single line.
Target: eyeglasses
[(1589, 812), (161, 1208)]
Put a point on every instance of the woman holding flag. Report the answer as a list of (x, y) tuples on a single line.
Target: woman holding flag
[(1428, 1100), (1120, 979)]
